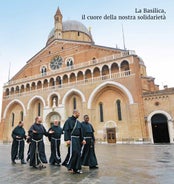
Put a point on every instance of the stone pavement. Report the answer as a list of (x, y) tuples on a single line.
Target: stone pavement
[(118, 164)]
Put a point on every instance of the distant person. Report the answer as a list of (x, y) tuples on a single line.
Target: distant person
[(88, 150), (55, 133), (18, 144), (37, 147), (74, 138)]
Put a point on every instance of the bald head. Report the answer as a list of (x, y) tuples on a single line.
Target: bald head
[(39, 119), (56, 122), (76, 113)]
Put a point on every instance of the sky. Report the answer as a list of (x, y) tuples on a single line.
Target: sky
[(26, 24)]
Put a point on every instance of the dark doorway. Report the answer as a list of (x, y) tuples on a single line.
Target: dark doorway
[(160, 129), (111, 135)]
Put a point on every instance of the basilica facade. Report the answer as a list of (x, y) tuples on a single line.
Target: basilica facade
[(109, 84)]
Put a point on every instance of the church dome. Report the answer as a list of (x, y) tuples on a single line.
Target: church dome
[(141, 61), (72, 26)]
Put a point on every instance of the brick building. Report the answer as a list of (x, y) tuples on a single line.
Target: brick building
[(109, 84)]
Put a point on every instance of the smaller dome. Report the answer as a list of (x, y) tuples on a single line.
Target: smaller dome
[(73, 25), (141, 61), (51, 34)]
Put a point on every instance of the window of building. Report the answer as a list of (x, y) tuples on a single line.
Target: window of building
[(94, 60), (58, 81), (124, 65), (118, 104), (39, 109), (22, 115), (69, 62), (43, 71), (7, 92), (101, 112), (12, 120), (74, 103)]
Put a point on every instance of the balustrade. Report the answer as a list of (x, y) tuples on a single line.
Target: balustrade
[(87, 81), (66, 69)]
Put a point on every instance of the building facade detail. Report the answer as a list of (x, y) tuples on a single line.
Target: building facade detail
[(111, 85)]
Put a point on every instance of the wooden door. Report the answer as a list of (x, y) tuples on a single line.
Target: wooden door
[(111, 135)]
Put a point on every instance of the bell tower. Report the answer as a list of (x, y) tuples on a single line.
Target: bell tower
[(58, 24)]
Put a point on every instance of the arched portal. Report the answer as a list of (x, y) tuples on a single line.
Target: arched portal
[(160, 128)]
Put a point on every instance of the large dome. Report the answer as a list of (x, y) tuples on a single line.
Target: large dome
[(72, 25)]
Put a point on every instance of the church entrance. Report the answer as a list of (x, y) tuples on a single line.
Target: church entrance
[(160, 129), (111, 135)]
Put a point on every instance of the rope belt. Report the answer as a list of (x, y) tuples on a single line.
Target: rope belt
[(73, 136), (19, 144), (37, 140), (82, 148), (37, 151), (19, 140), (55, 147), (55, 138)]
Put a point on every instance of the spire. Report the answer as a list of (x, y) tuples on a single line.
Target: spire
[(58, 24), (58, 12), (58, 16)]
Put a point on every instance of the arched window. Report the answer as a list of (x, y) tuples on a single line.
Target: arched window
[(7, 92), (124, 65), (118, 104), (69, 62), (12, 120), (45, 83), (44, 70), (80, 76), (74, 103), (88, 74), (22, 115), (17, 89), (101, 112), (65, 79), (28, 87), (52, 82), (72, 77), (94, 60), (39, 109), (58, 81), (96, 72), (39, 85)]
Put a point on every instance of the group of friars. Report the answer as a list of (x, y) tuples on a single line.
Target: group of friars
[(79, 138)]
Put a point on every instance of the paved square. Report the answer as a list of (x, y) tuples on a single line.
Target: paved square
[(118, 164)]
